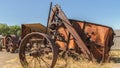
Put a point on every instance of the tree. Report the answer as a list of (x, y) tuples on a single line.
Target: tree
[(5, 29), (14, 30)]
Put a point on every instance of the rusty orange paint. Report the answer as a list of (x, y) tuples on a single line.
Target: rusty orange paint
[(97, 33)]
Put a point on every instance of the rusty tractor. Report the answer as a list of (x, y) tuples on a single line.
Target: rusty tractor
[(11, 43), (64, 37)]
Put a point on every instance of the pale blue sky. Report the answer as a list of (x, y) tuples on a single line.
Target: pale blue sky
[(17, 12)]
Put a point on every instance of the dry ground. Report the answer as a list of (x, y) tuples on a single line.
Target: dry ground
[(8, 60)]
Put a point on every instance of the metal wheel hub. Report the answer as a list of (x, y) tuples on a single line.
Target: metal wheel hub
[(36, 53)]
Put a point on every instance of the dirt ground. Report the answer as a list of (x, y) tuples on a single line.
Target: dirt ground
[(9, 60)]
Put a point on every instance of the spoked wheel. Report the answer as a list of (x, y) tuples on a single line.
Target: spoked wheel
[(37, 50)]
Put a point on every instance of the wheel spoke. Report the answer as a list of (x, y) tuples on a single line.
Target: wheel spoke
[(31, 60), (35, 63), (48, 65), (39, 61)]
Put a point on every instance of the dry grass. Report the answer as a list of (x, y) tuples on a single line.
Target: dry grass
[(14, 63), (115, 53), (71, 64), (82, 64), (115, 56)]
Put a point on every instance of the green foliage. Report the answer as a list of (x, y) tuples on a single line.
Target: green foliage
[(5, 29), (14, 29)]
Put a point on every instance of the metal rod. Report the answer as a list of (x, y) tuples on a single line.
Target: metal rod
[(48, 17), (68, 40)]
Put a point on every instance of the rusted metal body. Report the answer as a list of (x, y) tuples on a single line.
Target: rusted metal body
[(11, 43), (28, 28), (92, 40), (98, 39)]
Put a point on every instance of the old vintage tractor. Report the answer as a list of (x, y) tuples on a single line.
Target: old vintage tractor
[(11, 43), (64, 37)]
